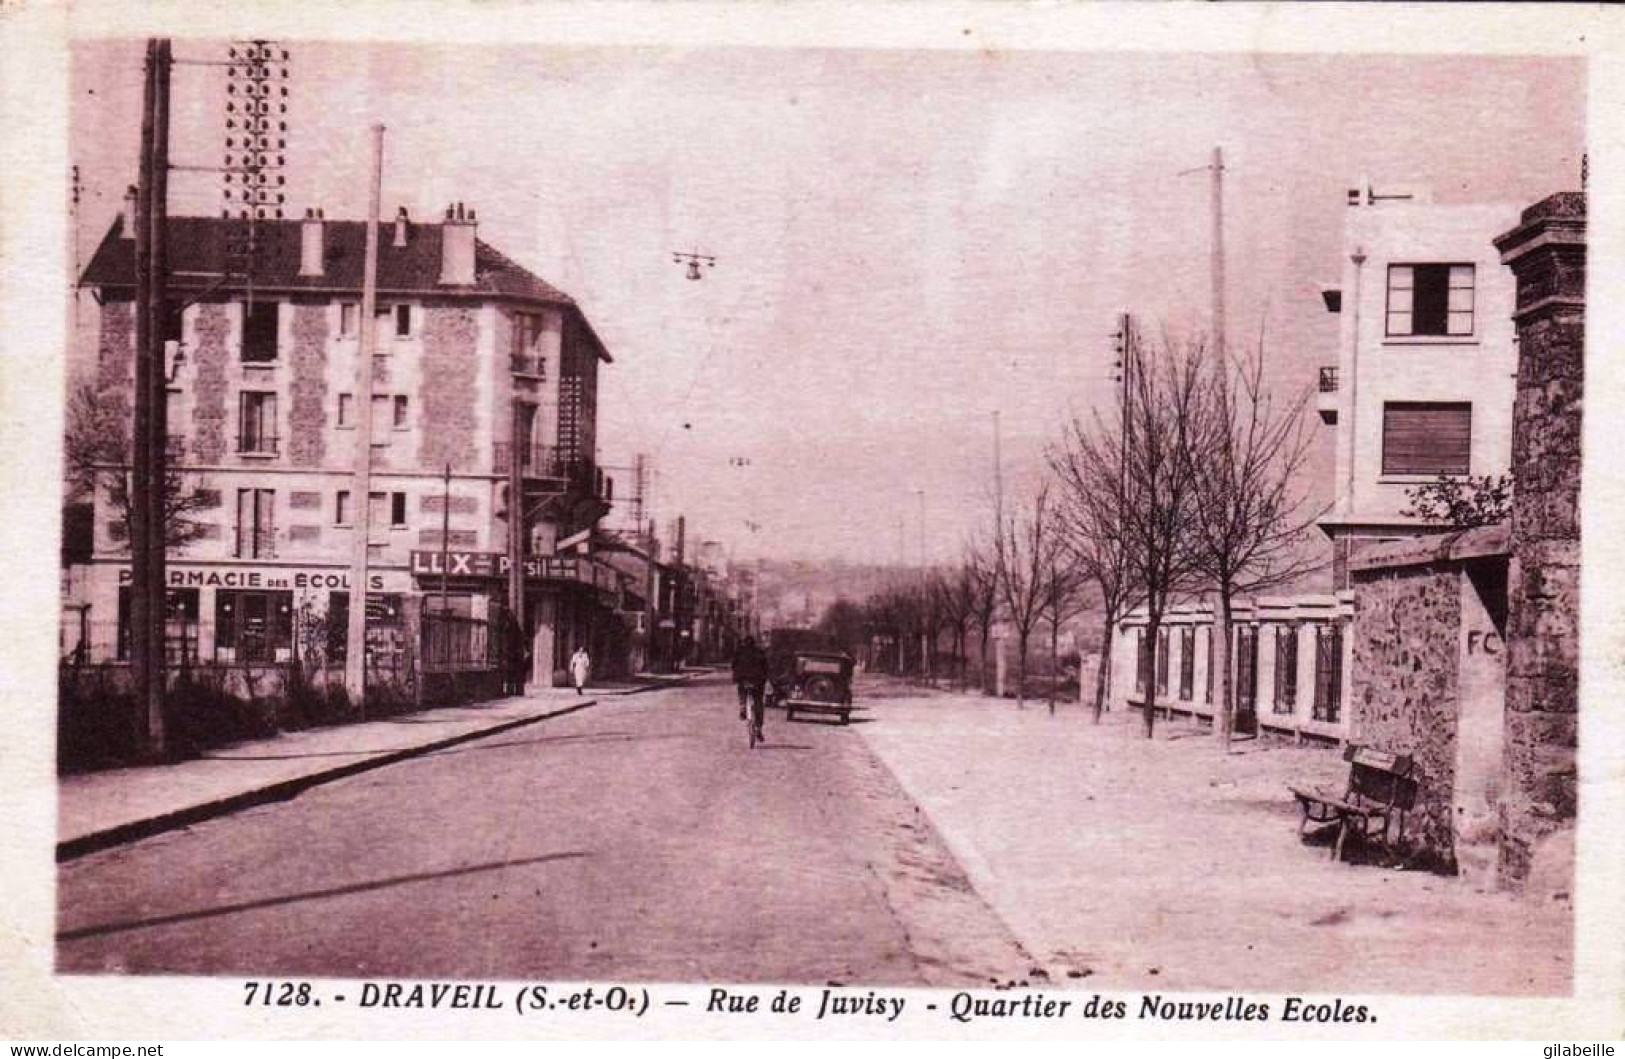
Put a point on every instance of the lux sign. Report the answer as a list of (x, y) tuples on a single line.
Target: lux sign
[(468, 564)]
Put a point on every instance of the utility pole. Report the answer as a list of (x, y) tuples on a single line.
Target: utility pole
[(355, 658), (445, 536), (1218, 255), (147, 455), (925, 653), (516, 523)]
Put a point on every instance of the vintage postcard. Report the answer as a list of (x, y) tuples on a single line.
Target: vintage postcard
[(731, 520)]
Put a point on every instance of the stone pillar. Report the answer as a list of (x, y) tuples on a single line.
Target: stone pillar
[(1546, 251)]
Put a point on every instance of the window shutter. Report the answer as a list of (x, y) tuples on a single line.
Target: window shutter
[(1426, 438)]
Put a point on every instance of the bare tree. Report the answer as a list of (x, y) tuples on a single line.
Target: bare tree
[(1251, 519), (1089, 466), (1063, 599), (96, 451), (956, 591), (1026, 553), (982, 569), (1161, 428)]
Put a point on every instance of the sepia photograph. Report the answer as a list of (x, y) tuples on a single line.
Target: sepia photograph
[(966, 532)]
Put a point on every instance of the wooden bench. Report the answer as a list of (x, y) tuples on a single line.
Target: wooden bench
[(843, 710), (1381, 787)]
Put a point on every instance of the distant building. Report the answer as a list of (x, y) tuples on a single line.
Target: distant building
[(1423, 382), (478, 363)]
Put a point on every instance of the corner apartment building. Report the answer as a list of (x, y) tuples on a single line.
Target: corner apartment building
[(477, 363), (1423, 382)]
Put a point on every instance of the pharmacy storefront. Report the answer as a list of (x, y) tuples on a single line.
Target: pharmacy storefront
[(240, 613)]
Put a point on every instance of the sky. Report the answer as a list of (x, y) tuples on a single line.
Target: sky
[(907, 241)]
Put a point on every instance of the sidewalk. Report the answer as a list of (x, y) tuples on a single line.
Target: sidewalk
[(1163, 864), (96, 810)]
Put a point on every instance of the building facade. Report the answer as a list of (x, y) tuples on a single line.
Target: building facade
[(1423, 381), (477, 364)]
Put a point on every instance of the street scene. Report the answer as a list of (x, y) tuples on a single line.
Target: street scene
[(835, 517)]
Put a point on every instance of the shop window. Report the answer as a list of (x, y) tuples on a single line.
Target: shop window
[(180, 625), (252, 628), (259, 331), (385, 628), (1142, 662), (1162, 661)]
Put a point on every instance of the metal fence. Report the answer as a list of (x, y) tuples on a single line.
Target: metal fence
[(459, 642)]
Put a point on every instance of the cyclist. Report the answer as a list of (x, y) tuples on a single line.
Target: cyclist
[(750, 676)]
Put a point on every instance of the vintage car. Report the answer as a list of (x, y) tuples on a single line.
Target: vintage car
[(809, 674)]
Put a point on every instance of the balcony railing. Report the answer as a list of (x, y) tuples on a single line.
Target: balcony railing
[(543, 461), (525, 364), (535, 461), (1328, 380), (257, 444)]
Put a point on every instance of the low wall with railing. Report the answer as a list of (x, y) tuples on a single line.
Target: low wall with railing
[(1290, 661)]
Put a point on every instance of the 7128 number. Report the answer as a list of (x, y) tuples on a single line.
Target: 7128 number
[(278, 994)]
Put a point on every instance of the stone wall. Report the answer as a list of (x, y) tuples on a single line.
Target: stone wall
[(307, 389), (1547, 253), (209, 411), (450, 387), (115, 360), (1405, 684)]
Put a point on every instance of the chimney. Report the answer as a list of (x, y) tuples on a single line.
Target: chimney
[(402, 225), (310, 244), (127, 215), (457, 247)]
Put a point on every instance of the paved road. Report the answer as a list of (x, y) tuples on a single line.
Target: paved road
[(639, 839)]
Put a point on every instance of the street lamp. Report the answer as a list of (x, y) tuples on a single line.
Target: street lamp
[(694, 260)]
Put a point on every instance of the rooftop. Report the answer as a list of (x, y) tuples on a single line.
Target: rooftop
[(201, 249), (199, 252)]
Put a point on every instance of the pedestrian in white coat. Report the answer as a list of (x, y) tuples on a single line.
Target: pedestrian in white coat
[(580, 668)]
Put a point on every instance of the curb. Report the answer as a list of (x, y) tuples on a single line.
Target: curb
[(675, 682), (135, 830)]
